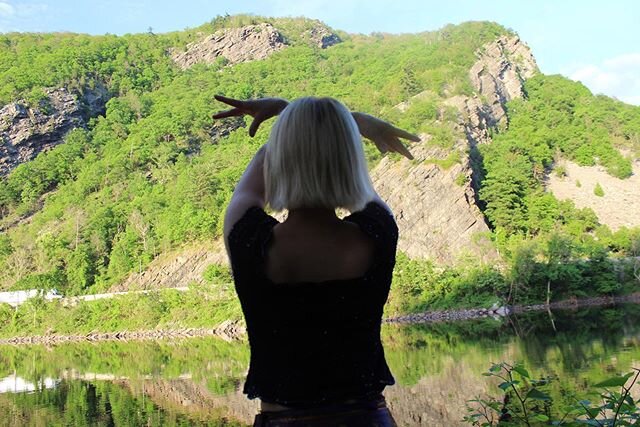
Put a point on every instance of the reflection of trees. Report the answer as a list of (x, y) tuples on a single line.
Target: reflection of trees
[(581, 336), (572, 341), (80, 403), (219, 364)]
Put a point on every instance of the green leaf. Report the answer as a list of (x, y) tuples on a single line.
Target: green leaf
[(615, 381), (541, 417), (536, 394), (593, 412), (522, 371), (495, 368), (505, 385)]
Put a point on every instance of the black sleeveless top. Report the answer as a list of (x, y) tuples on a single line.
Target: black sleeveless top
[(313, 343)]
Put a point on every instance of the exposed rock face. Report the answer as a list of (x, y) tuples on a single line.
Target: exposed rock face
[(175, 269), (26, 131), (437, 218), (322, 37), (235, 45), (498, 74)]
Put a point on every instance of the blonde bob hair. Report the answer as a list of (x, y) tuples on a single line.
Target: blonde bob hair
[(314, 158)]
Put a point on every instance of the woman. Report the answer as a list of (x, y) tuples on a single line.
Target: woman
[(313, 287)]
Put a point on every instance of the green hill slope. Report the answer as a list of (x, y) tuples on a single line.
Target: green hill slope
[(154, 173)]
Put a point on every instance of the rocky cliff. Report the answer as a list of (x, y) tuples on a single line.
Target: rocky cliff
[(25, 131), (436, 207), (436, 215), (235, 45), (248, 43), (175, 269)]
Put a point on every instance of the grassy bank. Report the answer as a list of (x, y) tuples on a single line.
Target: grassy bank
[(418, 286), (166, 309)]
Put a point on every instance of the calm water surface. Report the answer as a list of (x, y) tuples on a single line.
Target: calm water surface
[(196, 382)]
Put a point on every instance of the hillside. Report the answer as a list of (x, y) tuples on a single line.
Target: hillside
[(114, 175)]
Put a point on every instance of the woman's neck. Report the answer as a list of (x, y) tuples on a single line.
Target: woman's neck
[(312, 214)]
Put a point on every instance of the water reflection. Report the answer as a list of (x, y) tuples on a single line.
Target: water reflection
[(197, 381), (16, 384)]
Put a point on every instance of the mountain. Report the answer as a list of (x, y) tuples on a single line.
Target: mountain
[(114, 175)]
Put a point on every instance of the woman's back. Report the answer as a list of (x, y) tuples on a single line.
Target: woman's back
[(332, 249), (314, 341)]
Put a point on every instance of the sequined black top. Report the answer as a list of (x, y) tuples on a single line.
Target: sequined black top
[(313, 343)]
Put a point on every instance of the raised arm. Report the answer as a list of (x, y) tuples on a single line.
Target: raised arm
[(250, 189), (248, 193), (383, 134), (260, 109)]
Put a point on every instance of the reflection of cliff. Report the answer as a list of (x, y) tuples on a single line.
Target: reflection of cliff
[(437, 400), (438, 367), (188, 397)]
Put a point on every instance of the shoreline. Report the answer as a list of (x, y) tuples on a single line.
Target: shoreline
[(235, 330), (504, 311), (227, 330)]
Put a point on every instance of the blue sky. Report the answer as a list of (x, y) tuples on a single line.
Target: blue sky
[(596, 42)]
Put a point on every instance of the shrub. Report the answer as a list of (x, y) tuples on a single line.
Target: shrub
[(598, 191)]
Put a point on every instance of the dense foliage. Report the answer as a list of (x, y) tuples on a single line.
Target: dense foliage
[(154, 173)]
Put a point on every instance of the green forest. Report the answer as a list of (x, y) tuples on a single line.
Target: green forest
[(154, 173)]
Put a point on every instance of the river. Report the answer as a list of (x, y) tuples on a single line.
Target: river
[(196, 381)]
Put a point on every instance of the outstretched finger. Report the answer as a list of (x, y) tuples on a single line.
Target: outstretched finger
[(255, 124), (398, 147), (404, 134), (231, 101), (228, 113), (382, 147)]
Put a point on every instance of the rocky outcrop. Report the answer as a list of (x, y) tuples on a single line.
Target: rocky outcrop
[(434, 206), (26, 131), (175, 269), (498, 75), (322, 37), (235, 45)]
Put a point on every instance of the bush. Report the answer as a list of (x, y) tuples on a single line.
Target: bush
[(598, 191)]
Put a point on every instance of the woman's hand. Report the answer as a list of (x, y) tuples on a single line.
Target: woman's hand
[(383, 134), (260, 109)]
